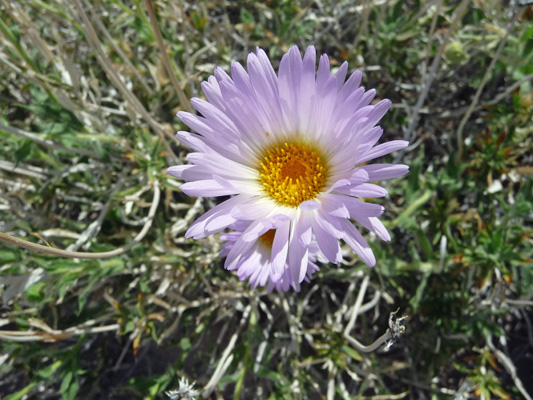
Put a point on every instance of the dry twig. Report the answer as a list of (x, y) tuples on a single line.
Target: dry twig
[(88, 255)]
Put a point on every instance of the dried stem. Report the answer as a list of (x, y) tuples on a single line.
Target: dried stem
[(88, 255), (47, 143), (164, 57), (510, 367), (106, 64), (121, 53), (391, 335), (511, 89), (433, 70), (227, 357), (466, 117), (427, 49), (363, 30), (52, 336)]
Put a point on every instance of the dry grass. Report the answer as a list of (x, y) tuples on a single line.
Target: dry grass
[(89, 93)]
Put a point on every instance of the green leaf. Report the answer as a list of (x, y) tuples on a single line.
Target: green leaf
[(36, 293), (23, 151), (246, 16), (46, 373), (352, 353), (21, 393), (67, 378)]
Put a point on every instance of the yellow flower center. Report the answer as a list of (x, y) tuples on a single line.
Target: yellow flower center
[(292, 173), (267, 238)]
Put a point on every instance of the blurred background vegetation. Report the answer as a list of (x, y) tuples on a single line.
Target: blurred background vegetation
[(87, 132)]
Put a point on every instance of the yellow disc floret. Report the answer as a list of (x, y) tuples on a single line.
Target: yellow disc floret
[(292, 172), (267, 238)]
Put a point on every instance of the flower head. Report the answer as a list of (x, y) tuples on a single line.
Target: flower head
[(291, 151), (185, 391), (259, 254)]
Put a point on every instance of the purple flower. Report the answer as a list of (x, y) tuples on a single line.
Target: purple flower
[(257, 265), (289, 149)]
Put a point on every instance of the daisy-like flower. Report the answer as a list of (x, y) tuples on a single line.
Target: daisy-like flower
[(185, 391), (291, 151), (259, 254)]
